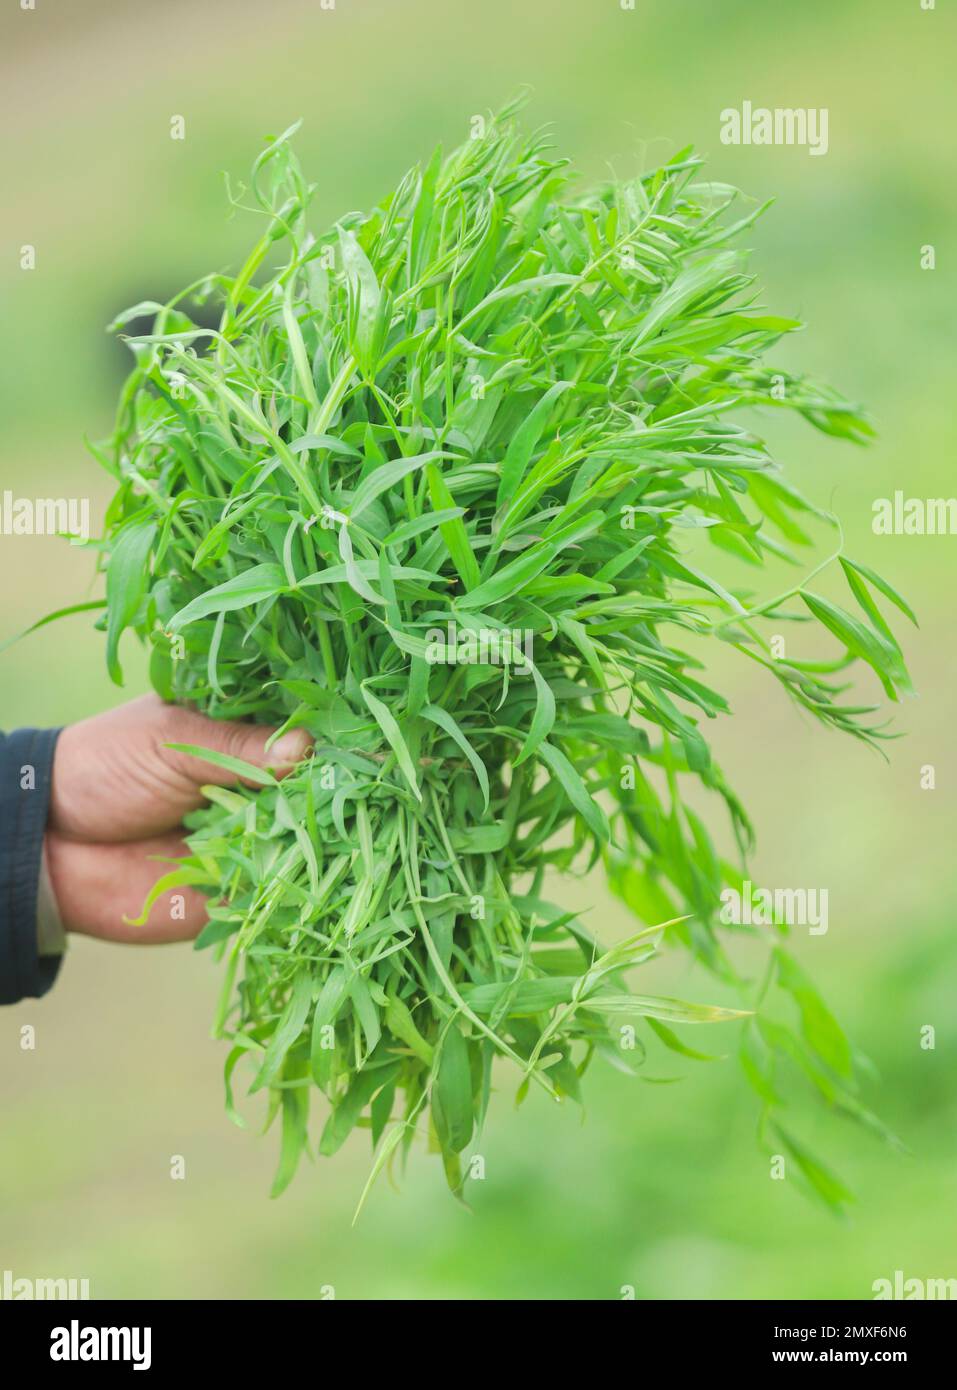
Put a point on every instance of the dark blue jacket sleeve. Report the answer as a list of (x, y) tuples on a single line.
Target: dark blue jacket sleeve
[(26, 764)]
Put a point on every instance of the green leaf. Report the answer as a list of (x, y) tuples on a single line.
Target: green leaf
[(529, 997), (861, 641), (426, 522), (543, 719), (390, 1143), (821, 1029), (821, 1180), (253, 585), (238, 766), (307, 442), (690, 284), (387, 723), (507, 582), (445, 721), (52, 618), (523, 442), (295, 1109), (668, 1010), (189, 875), (385, 477), (346, 1113), (332, 996), (535, 285), (401, 1024), (366, 1011), (576, 791), (127, 573), (453, 532), (364, 293), (674, 1044), (291, 1023), (452, 1092), (852, 567)]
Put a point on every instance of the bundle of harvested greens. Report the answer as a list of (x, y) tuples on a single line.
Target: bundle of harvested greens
[(425, 493)]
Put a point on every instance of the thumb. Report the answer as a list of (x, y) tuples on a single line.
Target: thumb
[(247, 742)]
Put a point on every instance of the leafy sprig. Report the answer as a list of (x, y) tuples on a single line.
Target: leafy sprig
[(500, 405)]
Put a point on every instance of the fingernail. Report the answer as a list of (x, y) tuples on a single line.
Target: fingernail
[(291, 748)]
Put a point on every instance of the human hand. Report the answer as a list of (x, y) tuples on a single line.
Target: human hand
[(118, 799)]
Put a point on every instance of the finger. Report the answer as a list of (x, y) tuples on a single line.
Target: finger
[(99, 889), (247, 742), (114, 778)]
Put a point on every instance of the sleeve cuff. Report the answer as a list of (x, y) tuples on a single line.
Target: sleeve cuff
[(51, 936), (26, 770)]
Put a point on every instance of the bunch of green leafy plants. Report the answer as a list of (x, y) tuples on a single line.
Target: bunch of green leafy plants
[(498, 403)]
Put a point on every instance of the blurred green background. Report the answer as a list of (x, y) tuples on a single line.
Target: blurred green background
[(663, 1187)]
